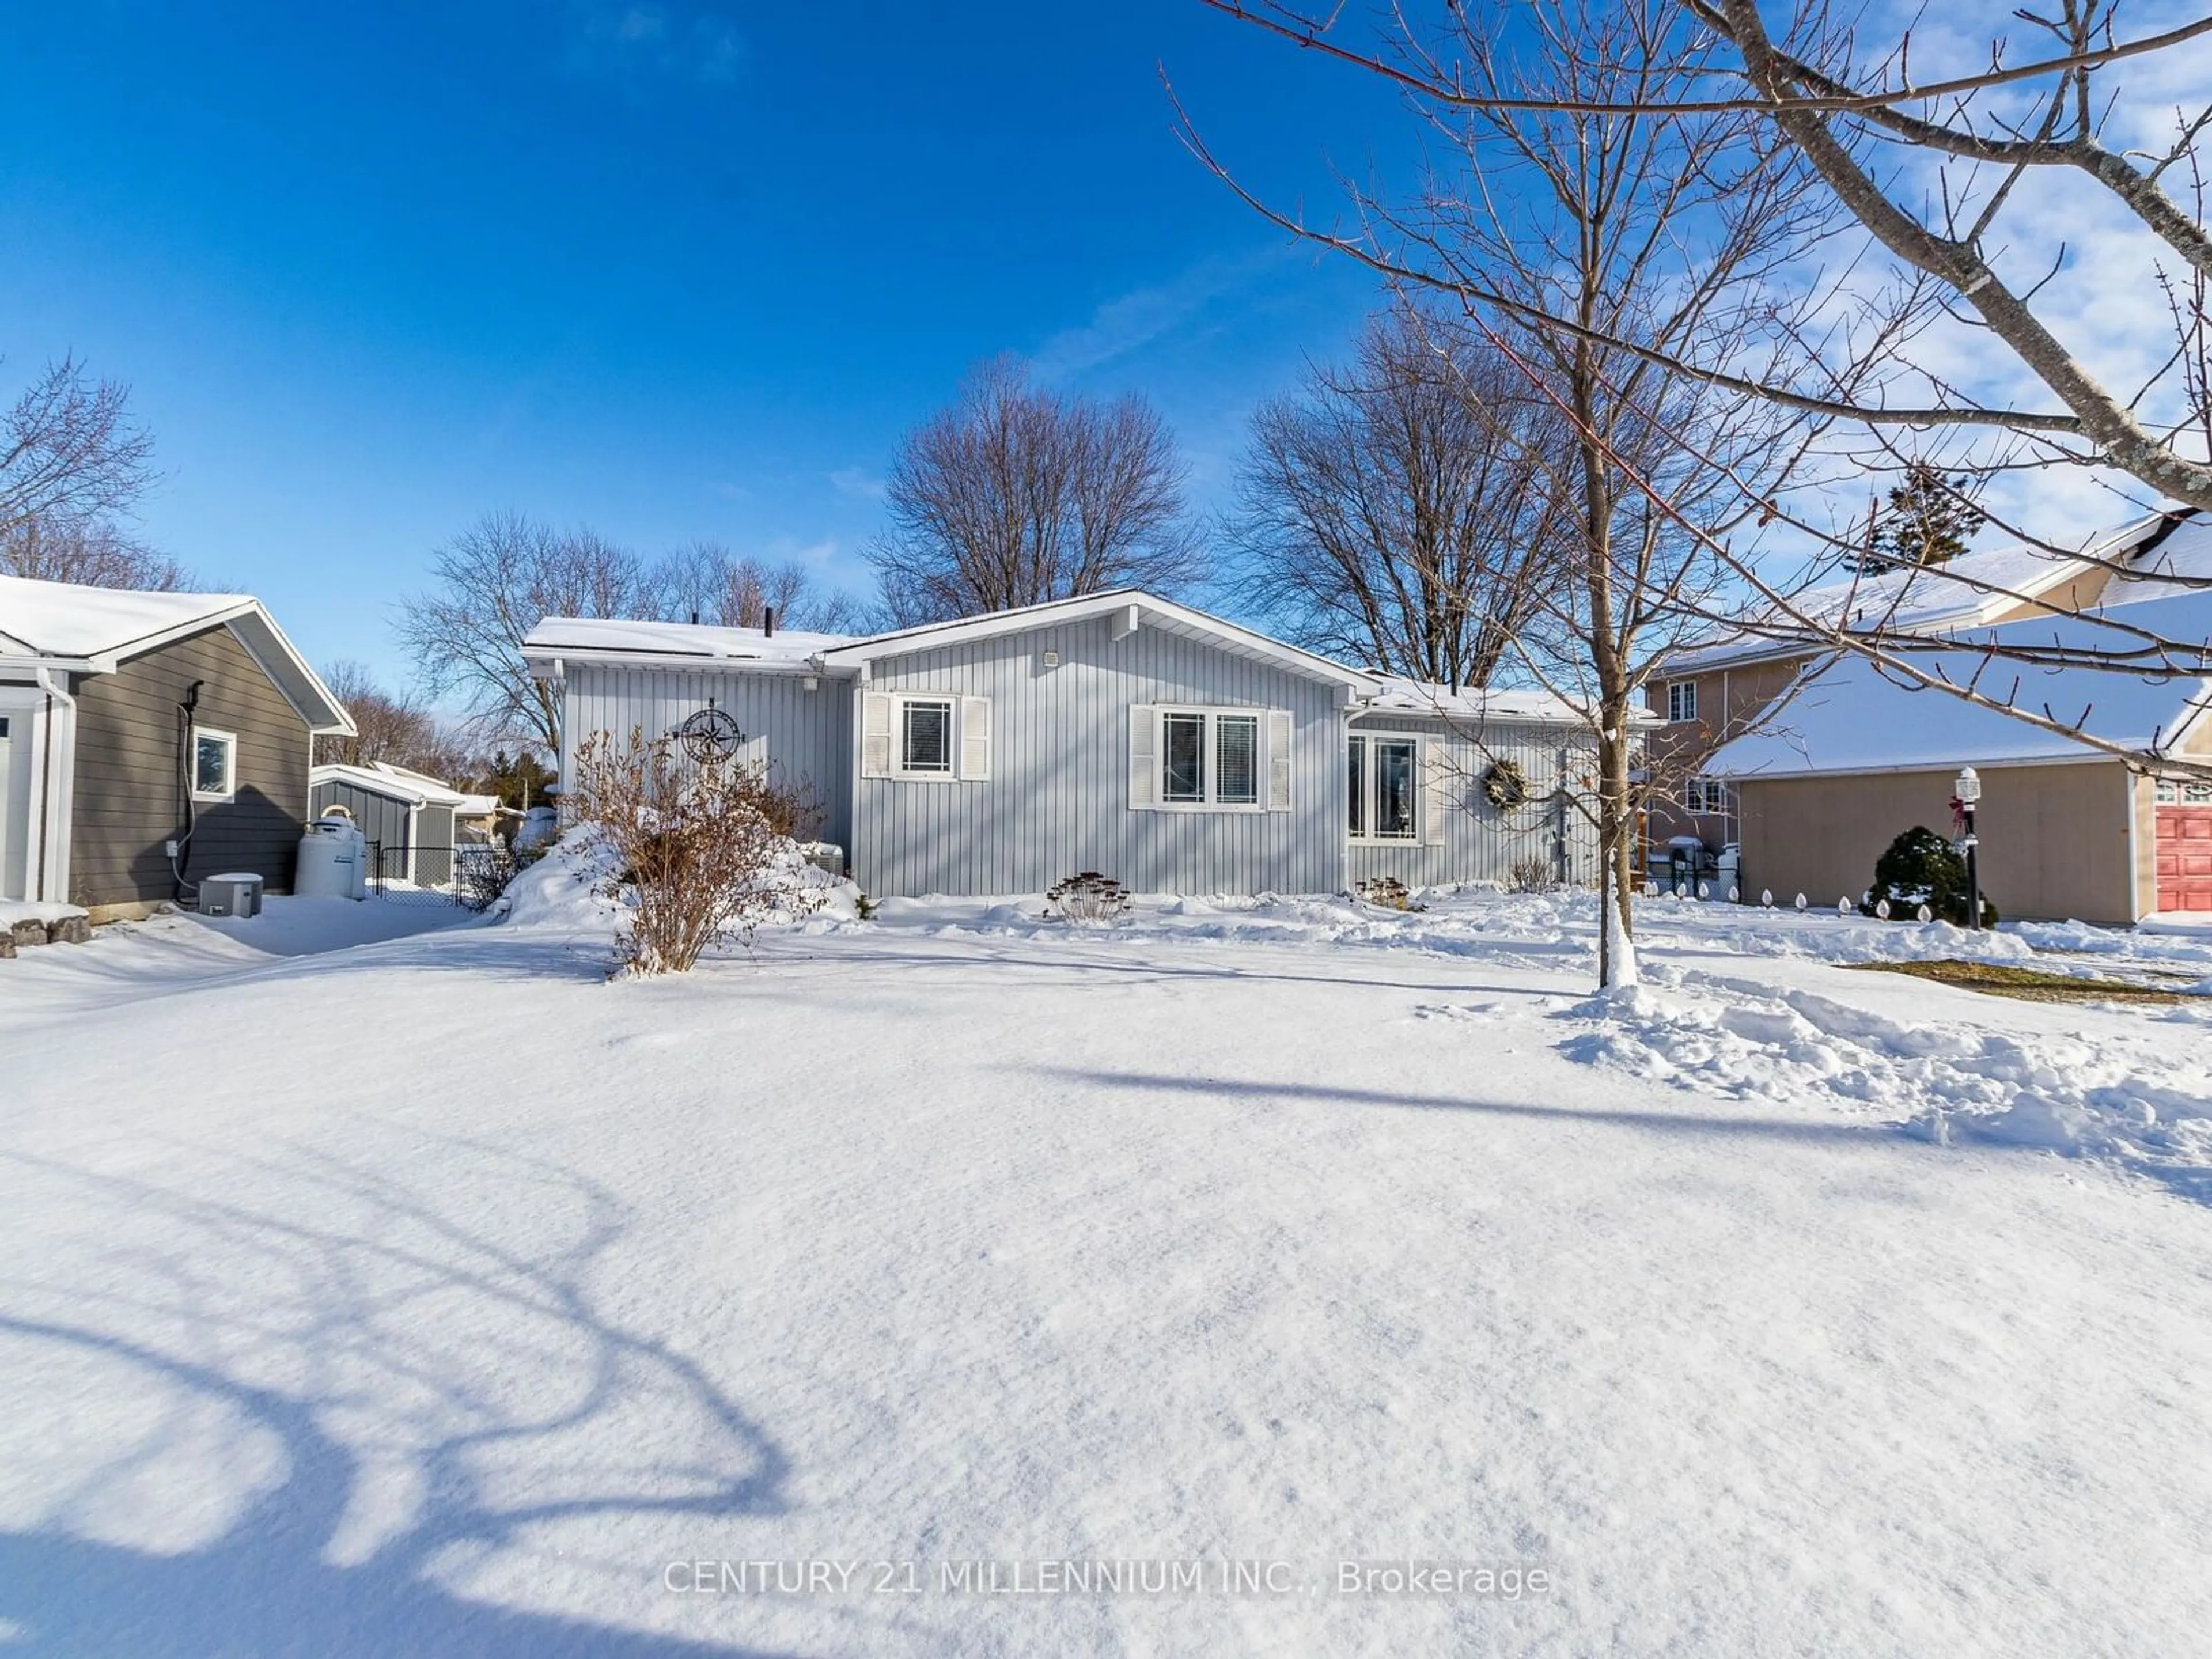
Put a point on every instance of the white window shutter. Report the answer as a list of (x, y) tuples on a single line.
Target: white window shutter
[(1437, 781), (1144, 755), (875, 734), (1279, 760), (975, 739)]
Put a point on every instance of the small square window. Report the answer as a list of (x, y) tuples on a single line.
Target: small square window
[(925, 737), (214, 764), (1681, 701)]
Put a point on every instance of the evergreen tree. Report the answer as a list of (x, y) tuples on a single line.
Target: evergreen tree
[(1928, 520)]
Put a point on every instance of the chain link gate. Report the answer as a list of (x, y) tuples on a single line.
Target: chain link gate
[(473, 873)]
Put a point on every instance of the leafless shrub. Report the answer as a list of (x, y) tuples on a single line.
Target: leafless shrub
[(698, 846), (1088, 896), (1533, 874), (481, 873)]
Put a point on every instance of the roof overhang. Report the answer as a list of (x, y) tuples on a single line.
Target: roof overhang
[(288, 671), (1717, 768), (367, 778), (552, 662), (1124, 610)]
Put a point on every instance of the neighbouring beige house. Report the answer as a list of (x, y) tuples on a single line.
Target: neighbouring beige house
[(1811, 762)]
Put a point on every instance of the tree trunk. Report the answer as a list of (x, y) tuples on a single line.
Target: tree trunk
[(1616, 833)]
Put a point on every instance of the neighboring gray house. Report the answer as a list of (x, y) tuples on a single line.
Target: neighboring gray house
[(133, 723), (1119, 731)]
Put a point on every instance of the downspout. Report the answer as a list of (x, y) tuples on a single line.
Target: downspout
[(2136, 910), (1354, 707), (55, 795)]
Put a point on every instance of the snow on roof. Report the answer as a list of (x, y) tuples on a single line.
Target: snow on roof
[(380, 777), (68, 622), (64, 619), (594, 635), (1970, 589), (1475, 702), (1854, 716), (1143, 609)]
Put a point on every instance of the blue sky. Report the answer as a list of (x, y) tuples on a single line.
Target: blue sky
[(669, 270)]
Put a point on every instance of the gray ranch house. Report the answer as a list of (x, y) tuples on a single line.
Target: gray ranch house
[(1119, 731)]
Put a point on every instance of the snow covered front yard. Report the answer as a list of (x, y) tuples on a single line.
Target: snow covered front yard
[(436, 1295)]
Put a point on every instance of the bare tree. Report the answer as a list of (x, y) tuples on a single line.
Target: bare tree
[(70, 451), (1850, 106), (73, 463), (393, 727), (1016, 495), (95, 554), (497, 581), (1599, 255), (1396, 510), (707, 582), (1957, 186)]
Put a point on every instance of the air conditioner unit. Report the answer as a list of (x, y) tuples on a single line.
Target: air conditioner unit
[(230, 895)]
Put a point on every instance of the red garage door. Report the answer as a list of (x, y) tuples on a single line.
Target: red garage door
[(2184, 857)]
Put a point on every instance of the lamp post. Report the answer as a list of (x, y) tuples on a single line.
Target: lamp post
[(1970, 793)]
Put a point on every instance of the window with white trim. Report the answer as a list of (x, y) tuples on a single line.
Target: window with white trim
[(1384, 787), (2168, 791), (926, 735), (1681, 701), (1209, 759), (214, 764), (1707, 795)]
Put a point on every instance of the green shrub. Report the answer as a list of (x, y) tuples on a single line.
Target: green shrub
[(1920, 868)]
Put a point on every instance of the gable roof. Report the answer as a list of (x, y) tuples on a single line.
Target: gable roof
[(593, 637), (680, 644), (1143, 609), (1482, 705), (1852, 715), (389, 781), (92, 630), (1972, 590)]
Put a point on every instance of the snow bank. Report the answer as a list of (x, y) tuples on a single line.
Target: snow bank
[(567, 890), (1941, 1080), (49, 912)]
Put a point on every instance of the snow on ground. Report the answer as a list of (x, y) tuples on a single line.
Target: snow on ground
[(181, 950), (46, 911), (437, 1296)]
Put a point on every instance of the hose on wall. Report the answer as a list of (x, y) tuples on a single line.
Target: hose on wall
[(185, 892)]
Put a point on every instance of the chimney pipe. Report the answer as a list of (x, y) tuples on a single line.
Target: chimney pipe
[(768, 623)]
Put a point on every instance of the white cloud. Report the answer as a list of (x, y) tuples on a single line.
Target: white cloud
[(1142, 316), (644, 37), (859, 484)]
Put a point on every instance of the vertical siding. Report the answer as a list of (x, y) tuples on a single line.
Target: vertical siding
[(1481, 841), (129, 791), (1057, 800), (379, 817), (801, 732)]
